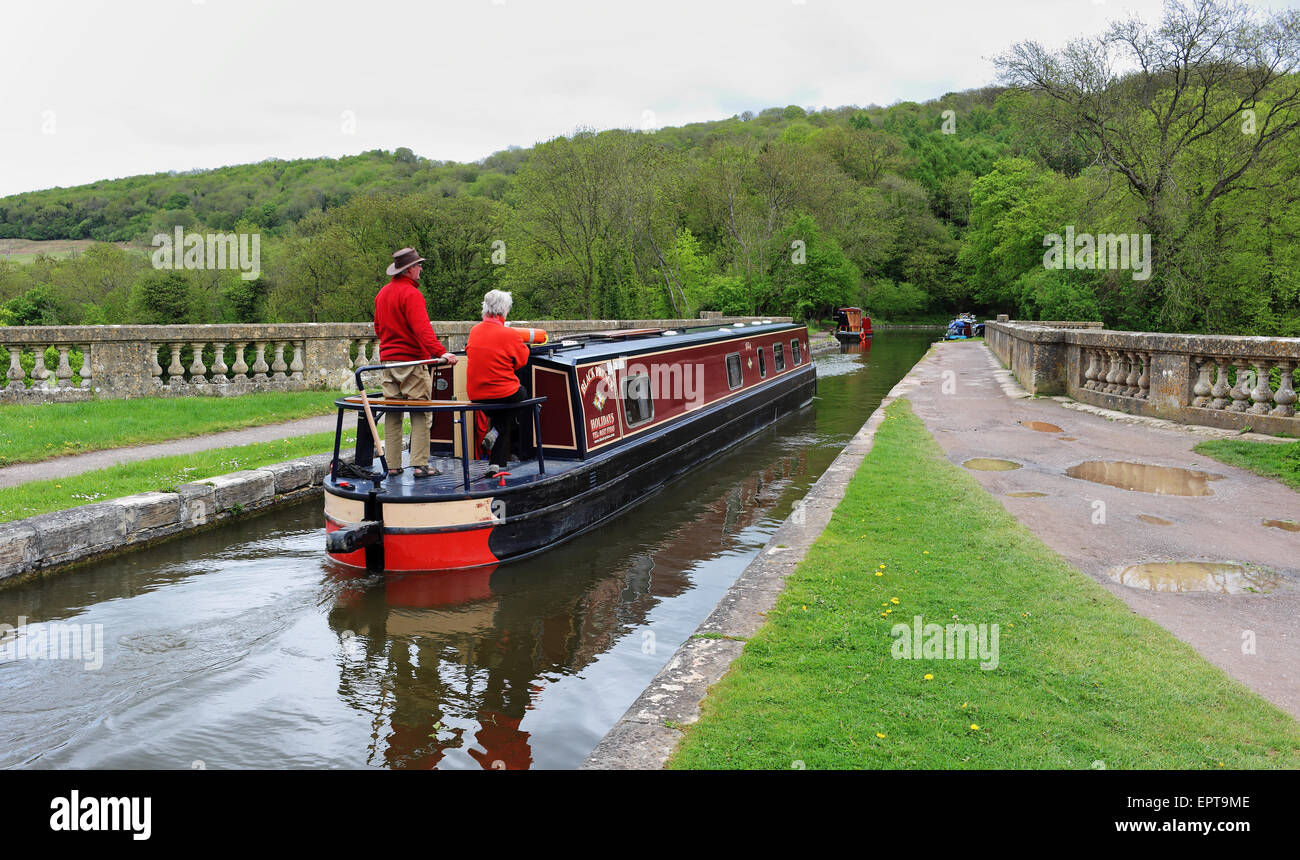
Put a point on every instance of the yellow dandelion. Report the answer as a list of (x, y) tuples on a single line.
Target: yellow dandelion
[(805, 609), (925, 552), (893, 600), (879, 573), (974, 727), (883, 614), (880, 735), (929, 677)]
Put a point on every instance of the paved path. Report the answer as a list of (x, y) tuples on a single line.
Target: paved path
[(977, 415), (63, 467)]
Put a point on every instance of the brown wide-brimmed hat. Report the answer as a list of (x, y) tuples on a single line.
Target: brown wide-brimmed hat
[(403, 260)]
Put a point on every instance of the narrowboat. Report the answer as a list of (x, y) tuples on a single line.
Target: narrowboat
[(615, 416), (852, 325)]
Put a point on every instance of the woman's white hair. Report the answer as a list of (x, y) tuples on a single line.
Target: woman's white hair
[(497, 303)]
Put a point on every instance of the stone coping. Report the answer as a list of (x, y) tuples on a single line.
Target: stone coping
[(48, 542), (1191, 344), (299, 331)]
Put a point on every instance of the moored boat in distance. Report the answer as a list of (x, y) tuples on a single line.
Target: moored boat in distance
[(852, 325), (616, 416)]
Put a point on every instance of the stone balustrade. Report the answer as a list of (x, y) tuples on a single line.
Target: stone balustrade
[(65, 363), (1214, 380)]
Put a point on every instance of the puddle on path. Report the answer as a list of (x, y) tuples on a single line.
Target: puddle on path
[(1026, 495), (1142, 478), (1155, 521), (1065, 439), (1041, 426), (1181, 576), (987, 464), (1283, 524)]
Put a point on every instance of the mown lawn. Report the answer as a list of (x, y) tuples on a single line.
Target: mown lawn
[(1280, 460), (159, 474), (31, 433), (1080, 680)]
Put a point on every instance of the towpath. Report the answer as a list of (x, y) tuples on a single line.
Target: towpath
[(974, 409), (63, 467)]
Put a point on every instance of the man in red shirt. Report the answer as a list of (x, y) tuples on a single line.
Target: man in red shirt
[(494, 353), (405, 334)]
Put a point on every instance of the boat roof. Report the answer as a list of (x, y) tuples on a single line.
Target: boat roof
[(586, 348)]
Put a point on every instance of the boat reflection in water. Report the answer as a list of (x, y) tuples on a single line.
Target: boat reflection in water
[(863, 347), (450, 663)]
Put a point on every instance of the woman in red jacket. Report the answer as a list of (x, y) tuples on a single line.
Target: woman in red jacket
[(495, 353)]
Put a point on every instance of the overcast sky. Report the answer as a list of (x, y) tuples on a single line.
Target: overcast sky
[(104, 90)]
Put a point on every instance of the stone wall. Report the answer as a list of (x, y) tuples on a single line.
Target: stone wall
[(67, 363), (1213, 380), (54, 540)]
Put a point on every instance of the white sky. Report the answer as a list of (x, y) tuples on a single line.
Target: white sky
[(97, 90)]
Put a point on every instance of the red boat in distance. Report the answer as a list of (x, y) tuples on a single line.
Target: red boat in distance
[(852, 325)]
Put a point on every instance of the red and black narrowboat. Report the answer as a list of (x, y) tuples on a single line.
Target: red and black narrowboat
[(852, 326), (616, 416)]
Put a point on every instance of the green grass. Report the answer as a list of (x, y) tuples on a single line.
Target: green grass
[(163, 474), (1080, 678), (1280, 460), (31, 433)]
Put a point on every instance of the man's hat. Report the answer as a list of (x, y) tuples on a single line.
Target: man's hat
[(403, 260)]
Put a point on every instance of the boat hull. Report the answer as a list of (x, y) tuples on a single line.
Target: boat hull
[(519, 521)]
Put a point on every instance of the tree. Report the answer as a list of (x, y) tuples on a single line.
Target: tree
[(1214, 84)]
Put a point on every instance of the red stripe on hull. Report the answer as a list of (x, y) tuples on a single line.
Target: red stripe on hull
[(438, 550)]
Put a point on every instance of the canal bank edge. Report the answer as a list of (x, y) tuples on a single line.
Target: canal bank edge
[(646, 735), (47, 543)]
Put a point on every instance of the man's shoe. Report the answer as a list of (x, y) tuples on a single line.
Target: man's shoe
[(424, 472), (489, 439)]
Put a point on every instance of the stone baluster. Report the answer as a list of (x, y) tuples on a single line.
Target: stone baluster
[(361, 359), (240, 367), (1262, 394), (259, 363), (1144, 379), (278, 366), (296, 366), (39, 372), (198, 372), (176, 370), (1090, 373), (1285, 394), (86, 371), (1220, 389), (1113, 375), (17, 376), (1239, 393), (63, 373), (1134, 371), (155, 367), (1202, 387), (219, 364)]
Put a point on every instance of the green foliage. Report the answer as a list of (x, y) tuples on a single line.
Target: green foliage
[(162, 298)]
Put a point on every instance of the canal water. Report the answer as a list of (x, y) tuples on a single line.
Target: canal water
[(245, 647)]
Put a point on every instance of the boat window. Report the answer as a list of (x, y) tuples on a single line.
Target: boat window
[(778, 356), (762, 364), (638, 405), (734, 377), (794, 352)]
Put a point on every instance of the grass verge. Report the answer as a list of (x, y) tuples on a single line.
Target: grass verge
[(1280, 460), (159, 474), (31, 433), (1079, 679)]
